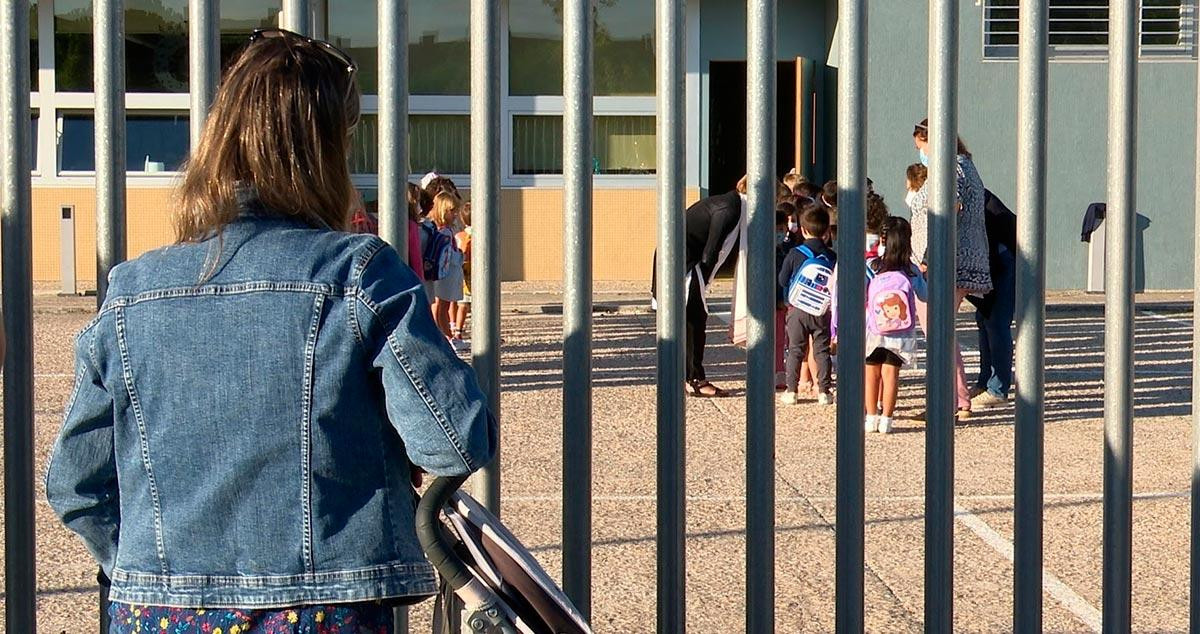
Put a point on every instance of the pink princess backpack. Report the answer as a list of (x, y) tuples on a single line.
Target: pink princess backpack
[(890, 304)]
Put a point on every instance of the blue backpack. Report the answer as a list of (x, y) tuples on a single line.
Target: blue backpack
[(435, 257), (809, 289)]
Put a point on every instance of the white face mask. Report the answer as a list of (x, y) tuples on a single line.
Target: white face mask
[(793, 227), (882, 249)]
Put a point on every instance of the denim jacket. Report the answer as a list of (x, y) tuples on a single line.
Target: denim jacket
[(244, 414)]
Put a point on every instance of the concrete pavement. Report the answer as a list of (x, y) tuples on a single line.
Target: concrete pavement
[(624, 480)]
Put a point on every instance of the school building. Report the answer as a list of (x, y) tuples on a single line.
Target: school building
[(625, 151)]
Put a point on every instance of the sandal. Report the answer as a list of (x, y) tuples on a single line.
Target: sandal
[(703, 389)]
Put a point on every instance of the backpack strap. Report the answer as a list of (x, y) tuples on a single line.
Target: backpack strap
[(806, 252)]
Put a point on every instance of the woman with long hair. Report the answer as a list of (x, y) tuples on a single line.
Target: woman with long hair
[(972, 272), (253, 404)]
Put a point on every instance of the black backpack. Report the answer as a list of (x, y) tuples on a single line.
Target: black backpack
[(1001, 224)]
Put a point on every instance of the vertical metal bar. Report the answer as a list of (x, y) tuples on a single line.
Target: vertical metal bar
[(852, 203), (943, 238), (109, 123), (1194, 600), (1119, 315), (393, 124), (1031, 314), (20, 582), (204, 61), (109, 73), (393, 146), (297, 16), (671, 483), (485, 212), (578, 88), (760, 327)]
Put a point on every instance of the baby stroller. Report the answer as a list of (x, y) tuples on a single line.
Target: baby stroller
[(501, 587)]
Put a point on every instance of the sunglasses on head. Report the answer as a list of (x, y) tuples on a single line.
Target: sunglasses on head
[(335, 52)]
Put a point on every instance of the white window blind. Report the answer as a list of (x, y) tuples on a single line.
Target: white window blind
[(1080, 27)]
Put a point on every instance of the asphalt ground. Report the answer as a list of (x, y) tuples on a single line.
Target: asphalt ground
[(624, 479)]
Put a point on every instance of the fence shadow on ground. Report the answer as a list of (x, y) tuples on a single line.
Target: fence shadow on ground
[(625, 356)]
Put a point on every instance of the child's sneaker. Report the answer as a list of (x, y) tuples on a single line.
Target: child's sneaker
[(885, 424), (788, 398), (872, 423), (824, 398)]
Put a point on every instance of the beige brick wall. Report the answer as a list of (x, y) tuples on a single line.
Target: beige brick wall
[(531, 231)]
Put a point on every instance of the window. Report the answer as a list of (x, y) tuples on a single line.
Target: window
[(623, 47), (1080, 27), (33, 141), (439, 143), (156, 46), (238, 21), (73, 45), (439, 48), (33, 45), (154, 142), (436, 143), (623, 144), (353, 28)]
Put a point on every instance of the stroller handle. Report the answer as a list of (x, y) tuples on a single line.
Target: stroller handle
[(431, 533)]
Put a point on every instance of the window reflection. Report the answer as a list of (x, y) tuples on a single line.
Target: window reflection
[(352, 28), (73, 45), (624, 47), (439, 50), (238, 21), (33, 44), (156, 46), (439, 47)]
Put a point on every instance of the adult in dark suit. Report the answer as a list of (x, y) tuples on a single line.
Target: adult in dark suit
[(711, 231)]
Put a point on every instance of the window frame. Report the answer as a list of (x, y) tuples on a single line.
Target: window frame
[(134, 177), (53, 104), (1185, 51)]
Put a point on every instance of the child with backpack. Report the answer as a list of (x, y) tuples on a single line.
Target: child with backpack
[(443, 261), (894, 284), (806, 274), (462, 308), (787, 231)]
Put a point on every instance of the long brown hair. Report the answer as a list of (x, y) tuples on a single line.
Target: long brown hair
[(921, 131), (280, 124)]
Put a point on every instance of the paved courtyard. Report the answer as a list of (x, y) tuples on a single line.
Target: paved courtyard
[(624, 485)]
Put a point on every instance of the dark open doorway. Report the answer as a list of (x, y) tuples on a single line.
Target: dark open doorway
[(727, 123)]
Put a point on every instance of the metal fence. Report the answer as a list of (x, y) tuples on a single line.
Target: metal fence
[(20, 582)]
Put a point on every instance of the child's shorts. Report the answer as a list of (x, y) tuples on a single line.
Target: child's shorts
[(883, 356)]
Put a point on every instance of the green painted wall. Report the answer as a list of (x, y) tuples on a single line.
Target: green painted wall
[(898, 31), (1077, 146)]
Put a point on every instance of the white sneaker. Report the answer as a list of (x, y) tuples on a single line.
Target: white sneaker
[(824, 398), (788, 398), (872, 423), (987, 400), (885, 425)]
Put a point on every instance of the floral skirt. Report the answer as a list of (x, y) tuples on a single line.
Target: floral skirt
[(348, 618)]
